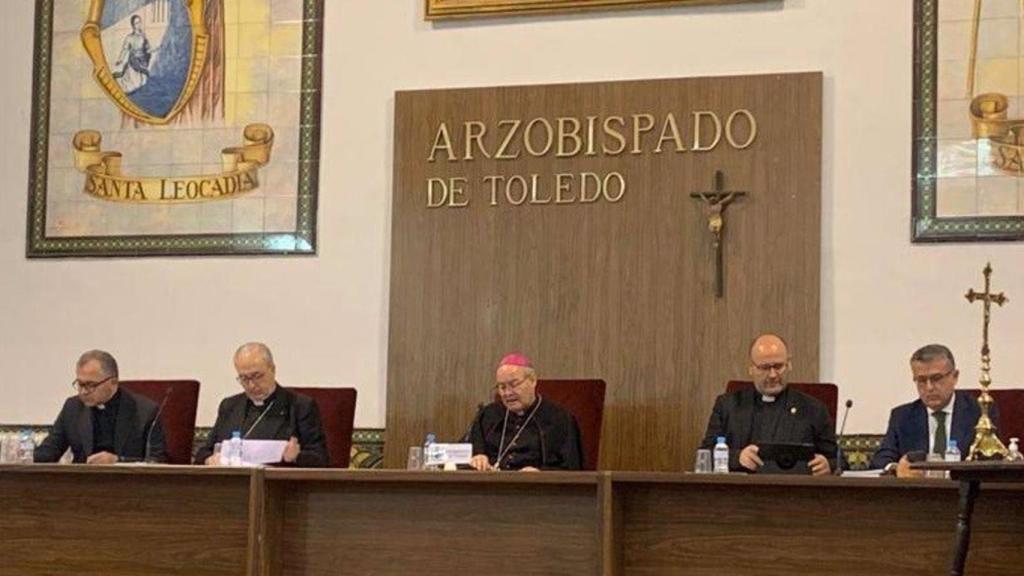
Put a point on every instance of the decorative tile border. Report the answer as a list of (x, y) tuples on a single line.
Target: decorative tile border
[(367, 443)]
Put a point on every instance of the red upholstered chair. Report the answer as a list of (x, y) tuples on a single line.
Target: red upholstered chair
[(1010, 404), (585, 400), (337, 413), (179, 415), (826, 392)]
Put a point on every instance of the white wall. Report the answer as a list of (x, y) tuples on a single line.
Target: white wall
[(326, 317)]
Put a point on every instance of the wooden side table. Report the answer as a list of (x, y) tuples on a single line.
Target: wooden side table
[(971, 475)]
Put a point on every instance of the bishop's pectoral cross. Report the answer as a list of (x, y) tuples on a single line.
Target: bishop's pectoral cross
[(716, 201)]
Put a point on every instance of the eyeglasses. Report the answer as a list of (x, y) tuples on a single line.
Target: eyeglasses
[(779, 367), (89, 387), (246, 379), (513, 385), (933, 379)]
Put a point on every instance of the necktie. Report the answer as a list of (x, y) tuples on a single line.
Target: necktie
[(940, 433)]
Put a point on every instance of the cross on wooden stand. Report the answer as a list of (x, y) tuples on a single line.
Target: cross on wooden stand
[(717, 200), (987, 445)]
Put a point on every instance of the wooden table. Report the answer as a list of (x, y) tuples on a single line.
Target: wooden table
[(971, 475), (270, 522), (139, 520)]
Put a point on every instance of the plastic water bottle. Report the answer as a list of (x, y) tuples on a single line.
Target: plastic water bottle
[(952, 454), (721, 456), (26, 447), (428, 445), (1014, 455), (952, 451), (234, 448)]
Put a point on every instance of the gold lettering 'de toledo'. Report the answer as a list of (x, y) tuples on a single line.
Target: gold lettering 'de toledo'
[(241, 164), (567, 137)]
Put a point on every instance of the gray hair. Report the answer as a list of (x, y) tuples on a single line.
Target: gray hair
[(107, 363), (933, 352), (256, 348)]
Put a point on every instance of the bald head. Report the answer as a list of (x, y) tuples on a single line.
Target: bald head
[(769, 361), (255, 350), (256, 371), (768, 344)]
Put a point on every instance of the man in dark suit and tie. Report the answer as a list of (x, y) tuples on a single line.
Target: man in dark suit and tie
[(940, 413), (771, 413), (266, 410), (103, 424)]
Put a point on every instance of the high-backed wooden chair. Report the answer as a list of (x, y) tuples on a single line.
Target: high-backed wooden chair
[(178, 416), (585, 400), (337, 413), (826, 392), (1010, 405)]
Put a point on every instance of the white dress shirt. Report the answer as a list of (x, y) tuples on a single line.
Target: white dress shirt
[(933, 425)]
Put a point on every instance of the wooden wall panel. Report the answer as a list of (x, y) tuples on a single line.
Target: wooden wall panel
[(622, 292)]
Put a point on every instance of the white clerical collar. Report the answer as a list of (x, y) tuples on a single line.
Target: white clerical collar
[(767, 398)]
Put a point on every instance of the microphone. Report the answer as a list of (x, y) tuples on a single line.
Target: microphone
[(469, 431), (839, 439), (156, 420)]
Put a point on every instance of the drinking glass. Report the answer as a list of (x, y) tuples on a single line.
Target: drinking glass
[(703, 464), (415, 461)]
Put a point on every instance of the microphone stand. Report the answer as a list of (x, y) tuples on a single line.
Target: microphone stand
[(156, 421), (839, 440)]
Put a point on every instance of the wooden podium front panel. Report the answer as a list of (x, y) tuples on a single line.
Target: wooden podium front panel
[(781, 526), (104, 521), (403, 523)]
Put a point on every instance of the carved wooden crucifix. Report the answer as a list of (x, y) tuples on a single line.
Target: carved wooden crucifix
[(717, 200)]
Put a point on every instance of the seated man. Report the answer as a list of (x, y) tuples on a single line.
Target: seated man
[(523, 431), (770, 413), (267, 411), (939, 414), (103, 424)]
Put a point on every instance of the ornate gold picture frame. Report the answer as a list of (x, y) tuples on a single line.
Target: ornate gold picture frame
[(441, 9), (968, 147)]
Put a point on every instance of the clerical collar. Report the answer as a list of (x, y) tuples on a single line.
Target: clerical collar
[(767, 399), (112, 403), (267, 400), (527, 410)]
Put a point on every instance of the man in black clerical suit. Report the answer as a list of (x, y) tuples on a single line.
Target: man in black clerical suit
[(771, 413), (523, 430), (914, 427), (103, 424), (267, 411)]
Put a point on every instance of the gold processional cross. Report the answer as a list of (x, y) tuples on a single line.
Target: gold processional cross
[(986, 444), (716, 201)]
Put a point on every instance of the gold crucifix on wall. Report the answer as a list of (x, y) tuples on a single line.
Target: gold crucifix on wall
[(716, 202)]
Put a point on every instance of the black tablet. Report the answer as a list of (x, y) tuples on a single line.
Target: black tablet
[(785, 458)]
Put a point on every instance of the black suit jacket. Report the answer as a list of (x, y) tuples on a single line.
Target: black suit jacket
[(806, 421), (291, 415), (908, 429), (135, 418)]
